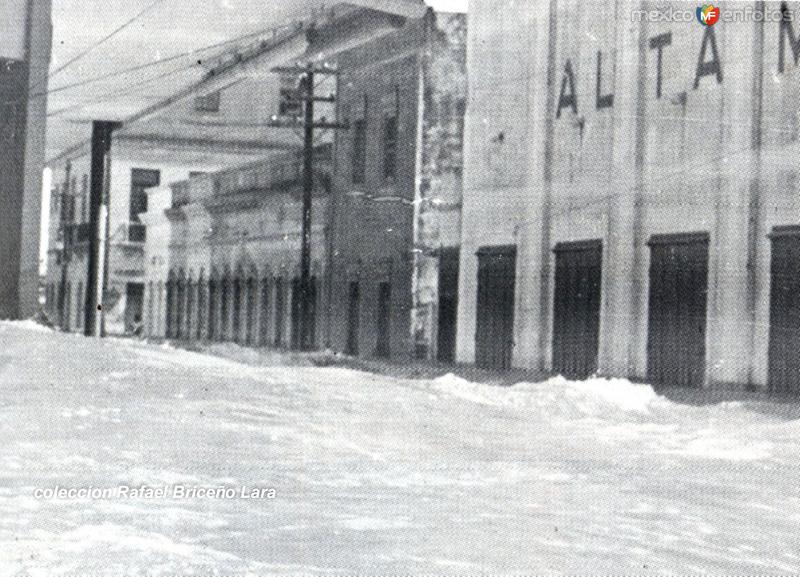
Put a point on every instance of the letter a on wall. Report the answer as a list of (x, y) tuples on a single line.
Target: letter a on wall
[(567, 98), (708, 67)]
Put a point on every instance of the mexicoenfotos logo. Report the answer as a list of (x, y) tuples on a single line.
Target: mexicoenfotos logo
[(708, 14)]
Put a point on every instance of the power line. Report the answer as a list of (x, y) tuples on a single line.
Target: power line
[(105, 39), (138, 67), (128, 89), (146, 65), (121, 92)]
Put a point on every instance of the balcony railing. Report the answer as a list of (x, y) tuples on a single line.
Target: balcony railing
[(263, 176), (78, 233), (271, 174)]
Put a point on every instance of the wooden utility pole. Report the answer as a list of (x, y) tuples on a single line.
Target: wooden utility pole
[(307, 74), (66, 242), (101, 148)]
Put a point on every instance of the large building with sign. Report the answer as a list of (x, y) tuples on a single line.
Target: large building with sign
[(631, 204), (25, 35)]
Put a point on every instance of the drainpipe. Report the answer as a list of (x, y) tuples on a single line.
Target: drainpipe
[(753, 207)]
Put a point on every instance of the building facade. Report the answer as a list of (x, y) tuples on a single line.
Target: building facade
[(385, 212), (214, 124), (25, 43), (397, 189), (631, 193), (225, 263)]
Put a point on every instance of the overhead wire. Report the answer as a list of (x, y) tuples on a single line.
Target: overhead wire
[(104, 39), (138, 67)]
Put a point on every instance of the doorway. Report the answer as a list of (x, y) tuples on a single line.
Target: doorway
[(576, 318), (494, 338), (676, 344)]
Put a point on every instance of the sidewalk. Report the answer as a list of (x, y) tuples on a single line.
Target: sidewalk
[(420, 369)]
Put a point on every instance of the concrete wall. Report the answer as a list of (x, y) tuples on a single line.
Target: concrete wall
[(26, 33), (501, 44), (711, 153), (437, 205)]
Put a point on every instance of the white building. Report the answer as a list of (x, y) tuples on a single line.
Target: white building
[(216, 123)]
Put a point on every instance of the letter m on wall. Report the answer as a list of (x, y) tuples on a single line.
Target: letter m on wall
[(786, 31)]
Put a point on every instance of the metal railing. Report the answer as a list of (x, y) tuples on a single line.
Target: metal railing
[(76, 233), (263, 176), (275, 173)]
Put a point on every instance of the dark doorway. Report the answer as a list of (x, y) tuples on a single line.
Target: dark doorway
[(784, 322), (67, 313), (170, 320), (312, 314), (494, 336), (576, 320), (353, 318), (297, 311), (224, 321), (237, 311), (252, 299), (212, 310), (134, 307), (179, 307), (265, 312), (190, 304), (383, 347), (201, 309), (676, 344), (280, 310), (80, 303), (448, 305)]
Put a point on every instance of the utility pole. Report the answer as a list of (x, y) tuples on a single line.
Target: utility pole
[(66, 242), (98, 221), (307, 74)]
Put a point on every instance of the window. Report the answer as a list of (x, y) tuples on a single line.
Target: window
[(141, 180), (359, 151), (289, 104), (390, 147), (85, 197), (353, 319), (67, 204), (208, 103), (70, 209), (383, 348)]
